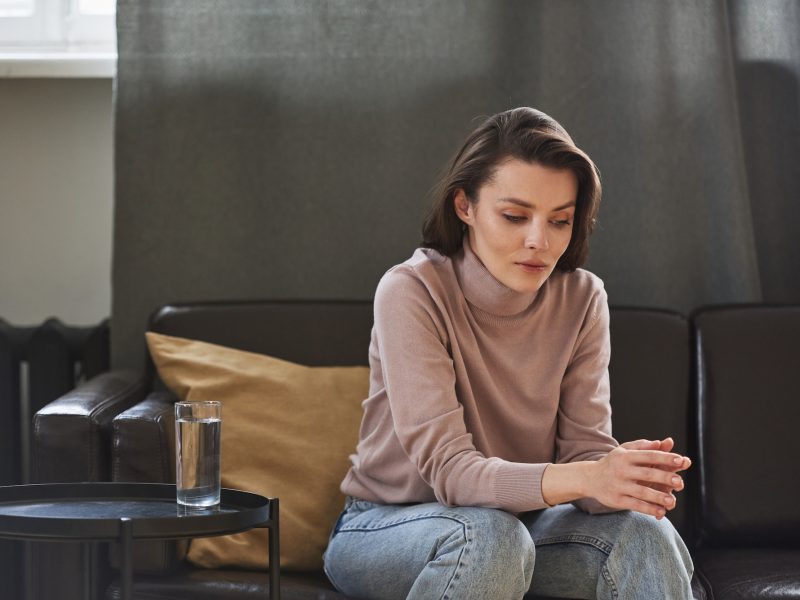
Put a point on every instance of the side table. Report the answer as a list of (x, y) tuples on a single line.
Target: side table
[(123, 512)]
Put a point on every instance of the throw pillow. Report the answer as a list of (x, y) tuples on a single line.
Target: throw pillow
[(287, 432)]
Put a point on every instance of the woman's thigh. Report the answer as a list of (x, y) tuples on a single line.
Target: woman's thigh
[(621, 554), (428, 551)]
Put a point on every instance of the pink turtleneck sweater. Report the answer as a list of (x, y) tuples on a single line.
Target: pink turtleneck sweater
[(476, 388)]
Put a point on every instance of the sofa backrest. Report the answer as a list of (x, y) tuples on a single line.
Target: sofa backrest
[(748, 413), (313, 333), (649, 356), (650, 387)]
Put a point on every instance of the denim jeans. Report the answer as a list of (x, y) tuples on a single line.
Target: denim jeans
[(430, 551)]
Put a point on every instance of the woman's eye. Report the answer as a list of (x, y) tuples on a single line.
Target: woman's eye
[(562, 223), (514, 218)]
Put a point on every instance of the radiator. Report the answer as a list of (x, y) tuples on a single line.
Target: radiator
[(37, 365)]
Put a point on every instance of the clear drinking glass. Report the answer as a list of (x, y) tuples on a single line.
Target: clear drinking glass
[(197, 452)]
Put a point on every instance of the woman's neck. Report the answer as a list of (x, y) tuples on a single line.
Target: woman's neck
[(483, 290)]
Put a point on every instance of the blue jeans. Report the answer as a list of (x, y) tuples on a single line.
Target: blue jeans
[(430, 551)]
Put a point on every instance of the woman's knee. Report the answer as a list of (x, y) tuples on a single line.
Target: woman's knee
[(654, 537), (502, 542), (659, 531)]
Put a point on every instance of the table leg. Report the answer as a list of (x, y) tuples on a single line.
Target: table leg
[(88, 580), (274, 553), (27, 577), (126, 539)]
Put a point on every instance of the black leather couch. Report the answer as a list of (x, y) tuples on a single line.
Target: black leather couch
[(721, 383)]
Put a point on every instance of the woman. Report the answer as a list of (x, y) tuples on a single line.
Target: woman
[(485, 445)]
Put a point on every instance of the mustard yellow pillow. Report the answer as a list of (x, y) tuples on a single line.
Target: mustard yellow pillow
[(287, 432)]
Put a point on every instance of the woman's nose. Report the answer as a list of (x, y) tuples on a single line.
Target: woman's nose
[(536, 237)]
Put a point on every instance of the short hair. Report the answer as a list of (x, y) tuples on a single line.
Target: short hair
[(521, 133)]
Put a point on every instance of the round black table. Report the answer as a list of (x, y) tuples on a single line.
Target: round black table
[(123, 512)]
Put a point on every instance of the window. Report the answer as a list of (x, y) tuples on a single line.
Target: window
[(57, 25), (96, 7), (16, 8)]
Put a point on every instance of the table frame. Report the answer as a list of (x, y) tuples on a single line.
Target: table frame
[(123, 535), (273, 550)]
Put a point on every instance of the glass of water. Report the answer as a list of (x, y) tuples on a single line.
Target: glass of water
[(197, 452)]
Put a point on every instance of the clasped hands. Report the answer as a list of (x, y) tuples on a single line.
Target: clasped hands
[(640, 475)]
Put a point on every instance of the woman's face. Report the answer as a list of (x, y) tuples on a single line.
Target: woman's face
[(521, 223)]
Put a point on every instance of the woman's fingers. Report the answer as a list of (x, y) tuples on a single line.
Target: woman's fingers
[(639, 477), (659, 476), (658, 452), (646, 500), (666, 460), (655, 497), (641, 444), (657, 486), (663, 487), (654, 475), (644, 507)]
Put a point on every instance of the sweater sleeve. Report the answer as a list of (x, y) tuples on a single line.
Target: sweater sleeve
[(584, 413), (428, 419)]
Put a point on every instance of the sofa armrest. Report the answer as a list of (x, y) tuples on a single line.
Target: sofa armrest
[(72, 434), (143, 450), (143, 441), (71, 442)]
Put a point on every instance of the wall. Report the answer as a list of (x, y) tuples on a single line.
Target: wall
[(56, 199)]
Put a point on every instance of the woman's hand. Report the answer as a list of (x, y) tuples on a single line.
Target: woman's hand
[(664, 445), (639, 476)]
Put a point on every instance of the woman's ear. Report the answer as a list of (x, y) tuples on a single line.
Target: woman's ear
[(463, 207)]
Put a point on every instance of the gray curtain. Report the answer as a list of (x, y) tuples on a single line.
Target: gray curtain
[(285, 149)]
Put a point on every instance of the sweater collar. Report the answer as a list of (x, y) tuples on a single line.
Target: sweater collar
[(483, 290)]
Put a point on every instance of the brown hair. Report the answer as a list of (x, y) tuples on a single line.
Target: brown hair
[(526, 134)]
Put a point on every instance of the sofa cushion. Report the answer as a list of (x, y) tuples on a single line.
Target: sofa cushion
[(650, 385), (228, 584), (747, 416), (287, 431), (749, 573), (197, 584)]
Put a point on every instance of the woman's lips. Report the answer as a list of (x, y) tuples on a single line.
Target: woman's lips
[(532, 268)]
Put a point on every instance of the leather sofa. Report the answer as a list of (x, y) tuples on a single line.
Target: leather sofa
[(720, 382)]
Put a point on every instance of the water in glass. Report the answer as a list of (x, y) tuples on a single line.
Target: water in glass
[(197, 473)]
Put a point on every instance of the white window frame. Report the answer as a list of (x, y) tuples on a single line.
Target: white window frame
[(58, 41), (42, 28), (95, 30)]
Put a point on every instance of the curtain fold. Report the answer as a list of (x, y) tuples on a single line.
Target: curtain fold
[(766, 55)]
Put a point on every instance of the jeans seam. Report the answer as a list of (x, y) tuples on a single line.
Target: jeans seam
[(335, 529), (331, 579), (610, 580), (466, 532), (577, 538), (389, 524), (461, 556)]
